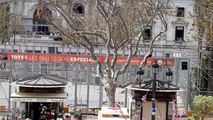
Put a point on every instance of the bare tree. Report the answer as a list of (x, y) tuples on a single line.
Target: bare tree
[(116, 24), (4, 22), (9, 22), (204, 26)]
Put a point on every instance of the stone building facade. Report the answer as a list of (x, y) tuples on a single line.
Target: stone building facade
[(177, 43)]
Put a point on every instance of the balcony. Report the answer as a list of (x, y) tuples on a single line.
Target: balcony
[(35, 38)]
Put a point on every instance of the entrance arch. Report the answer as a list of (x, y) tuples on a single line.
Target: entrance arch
[(40, 22)]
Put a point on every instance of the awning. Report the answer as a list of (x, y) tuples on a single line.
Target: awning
[(39, 97), (158, 90), (14, 84)]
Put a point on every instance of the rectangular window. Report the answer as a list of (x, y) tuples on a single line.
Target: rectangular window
[(147, 33), (184, 66), (179, 33), (28, 51), (37, 51), (53, 50), (180, 11), (167, 55)]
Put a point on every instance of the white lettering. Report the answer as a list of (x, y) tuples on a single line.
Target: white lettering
[(80, 59), (18, 57)]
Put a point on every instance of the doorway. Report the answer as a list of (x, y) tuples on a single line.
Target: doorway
[(43, 110)]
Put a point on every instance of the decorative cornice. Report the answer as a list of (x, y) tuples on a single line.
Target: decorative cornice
[(180, 21)]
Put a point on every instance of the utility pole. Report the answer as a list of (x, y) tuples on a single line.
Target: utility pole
[(76, 89), (88, 87)]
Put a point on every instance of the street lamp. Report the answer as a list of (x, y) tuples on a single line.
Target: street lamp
[(5, 58), (169, 75), (156, 84), (140, 72), (154, 66)]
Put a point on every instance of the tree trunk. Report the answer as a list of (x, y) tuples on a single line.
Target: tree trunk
[(210, 71), (202, 118), (110, 92)]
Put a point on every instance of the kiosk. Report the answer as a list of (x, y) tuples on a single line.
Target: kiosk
[(40, 96), (140, 99)]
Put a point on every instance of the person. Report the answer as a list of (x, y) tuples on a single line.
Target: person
[(67, 117)]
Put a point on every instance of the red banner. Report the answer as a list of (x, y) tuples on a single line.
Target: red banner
[(81, 59)]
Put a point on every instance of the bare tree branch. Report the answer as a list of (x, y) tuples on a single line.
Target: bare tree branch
[(119, 26)]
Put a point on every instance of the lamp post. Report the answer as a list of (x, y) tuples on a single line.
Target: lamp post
[(14, 37), (154, 66), (169, 75), (156, 84), (140, 73)]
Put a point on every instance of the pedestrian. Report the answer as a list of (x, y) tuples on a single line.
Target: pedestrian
[(67, 117)]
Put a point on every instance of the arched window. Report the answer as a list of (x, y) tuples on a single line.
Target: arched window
[(40, 23), (78, 8)]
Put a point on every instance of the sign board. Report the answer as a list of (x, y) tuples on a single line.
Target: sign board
[(6, 113), (82, 59), (161, 96), (37, 100), (113, 113), (113, 110), (153, 111)]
